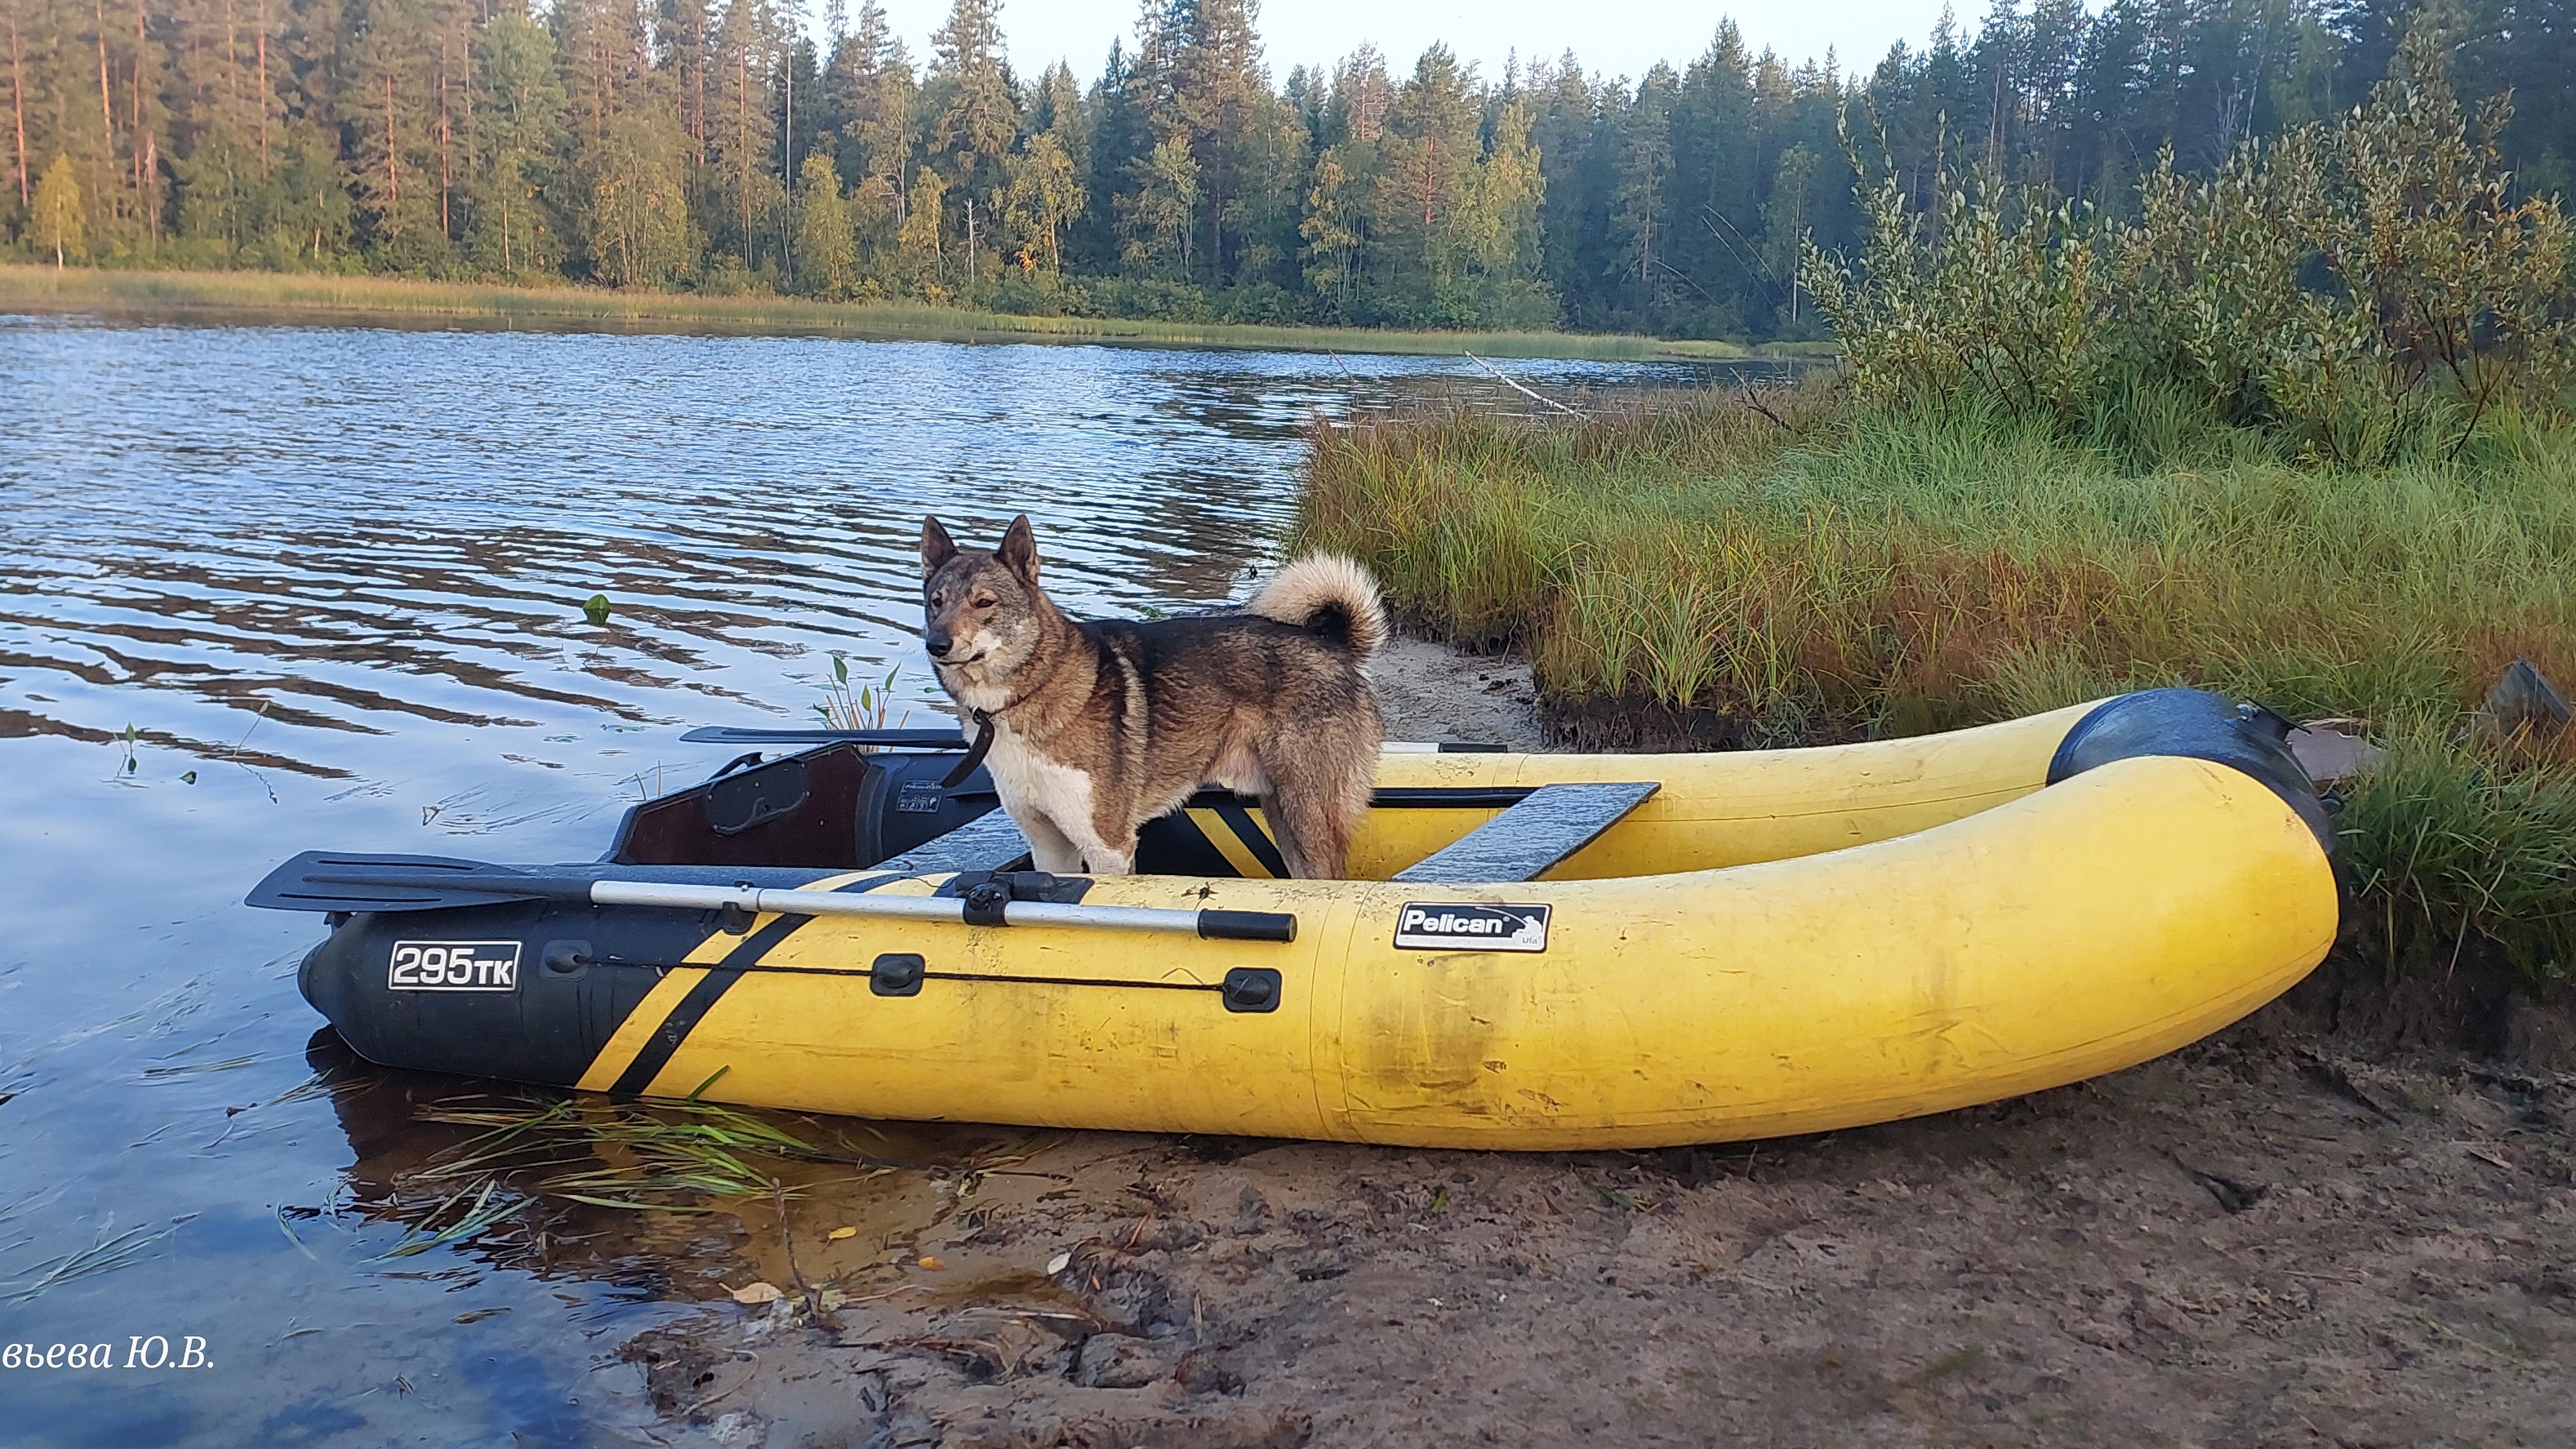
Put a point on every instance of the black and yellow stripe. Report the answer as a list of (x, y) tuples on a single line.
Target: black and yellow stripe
[(1241, 837), (644, 1042)]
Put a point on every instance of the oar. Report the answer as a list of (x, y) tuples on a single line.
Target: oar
[(326, 881), (953, 740), (947, 739)]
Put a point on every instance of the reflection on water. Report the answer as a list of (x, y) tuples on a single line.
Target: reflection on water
[(581, 1187), (267, 589)]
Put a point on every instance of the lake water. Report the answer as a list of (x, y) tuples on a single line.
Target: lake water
[(267, 589)]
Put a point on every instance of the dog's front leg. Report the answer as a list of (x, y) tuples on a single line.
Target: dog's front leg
[(1103, 858), (1050, 849)]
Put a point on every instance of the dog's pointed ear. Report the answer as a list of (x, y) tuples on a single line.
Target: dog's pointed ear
[(1019, 551), (936, 547)]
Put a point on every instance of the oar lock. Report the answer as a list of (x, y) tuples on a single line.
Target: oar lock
[(984, 893)]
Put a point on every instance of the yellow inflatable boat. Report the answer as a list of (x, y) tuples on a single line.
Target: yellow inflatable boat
[(1547, 951)]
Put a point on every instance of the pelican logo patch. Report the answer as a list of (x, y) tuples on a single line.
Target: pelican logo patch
[(454, 966), (1445, 926)]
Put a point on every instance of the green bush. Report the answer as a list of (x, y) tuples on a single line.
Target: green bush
[(2353, 292)]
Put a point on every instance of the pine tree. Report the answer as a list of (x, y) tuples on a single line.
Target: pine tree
[(885, 103), (1642, 202), (396, 127), (18, 108), (1706, 226), (740, 189), (1426, 194), (1216, 93), (977, 109)]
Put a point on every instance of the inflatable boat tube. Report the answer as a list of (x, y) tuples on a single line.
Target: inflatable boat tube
[(1549, 951)]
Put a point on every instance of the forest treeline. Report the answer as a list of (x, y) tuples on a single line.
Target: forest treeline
[(730, 146)]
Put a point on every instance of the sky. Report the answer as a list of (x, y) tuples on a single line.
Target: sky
[(1620, 37)]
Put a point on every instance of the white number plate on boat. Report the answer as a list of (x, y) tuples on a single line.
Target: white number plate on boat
[(454, 966), (1448, 926)]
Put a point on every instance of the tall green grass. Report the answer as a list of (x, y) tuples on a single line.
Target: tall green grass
[(1834, 571), (1872, 571)]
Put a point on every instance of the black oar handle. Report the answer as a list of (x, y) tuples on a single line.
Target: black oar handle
[(1275, 926)]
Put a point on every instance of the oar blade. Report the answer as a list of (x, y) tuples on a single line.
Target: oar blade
[(328, 880)]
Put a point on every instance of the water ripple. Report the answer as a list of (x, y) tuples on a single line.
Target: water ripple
[(356, 533)]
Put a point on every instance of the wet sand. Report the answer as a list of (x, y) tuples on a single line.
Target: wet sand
[(2285, 1235)]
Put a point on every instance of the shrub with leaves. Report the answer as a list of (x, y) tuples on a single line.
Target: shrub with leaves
[(1994, 289), (2355, 290), (2446, 274)]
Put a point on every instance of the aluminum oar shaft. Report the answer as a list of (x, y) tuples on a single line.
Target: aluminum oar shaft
[(1228, 925)]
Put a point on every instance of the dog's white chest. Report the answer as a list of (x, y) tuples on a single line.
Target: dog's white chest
[(1029, 782)]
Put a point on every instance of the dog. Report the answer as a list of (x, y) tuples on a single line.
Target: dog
[(1091, 729)]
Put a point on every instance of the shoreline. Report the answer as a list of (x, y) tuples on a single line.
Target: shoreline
[(2315, 1236), (255, 297)]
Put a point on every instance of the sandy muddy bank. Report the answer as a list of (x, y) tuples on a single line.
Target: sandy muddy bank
[(2284, 1235), (2224, 1246)]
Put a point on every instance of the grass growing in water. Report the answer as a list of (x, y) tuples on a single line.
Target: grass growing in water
[(107, 1252), (1823, 571), (666, 1155)]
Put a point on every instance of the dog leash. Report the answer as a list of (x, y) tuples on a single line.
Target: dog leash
[(983, 741)]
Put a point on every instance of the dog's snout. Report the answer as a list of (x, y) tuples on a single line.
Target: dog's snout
[(937, 641)]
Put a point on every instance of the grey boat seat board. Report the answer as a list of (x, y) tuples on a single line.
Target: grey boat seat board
[(1531, 838), (991, 841)]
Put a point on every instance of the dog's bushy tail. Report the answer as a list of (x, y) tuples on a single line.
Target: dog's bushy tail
[(1329, 593)]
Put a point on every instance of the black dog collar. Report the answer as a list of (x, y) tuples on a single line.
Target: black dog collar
[(983, 741)]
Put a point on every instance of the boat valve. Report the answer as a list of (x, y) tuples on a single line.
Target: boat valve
[(897, 974), (1251, 989)]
